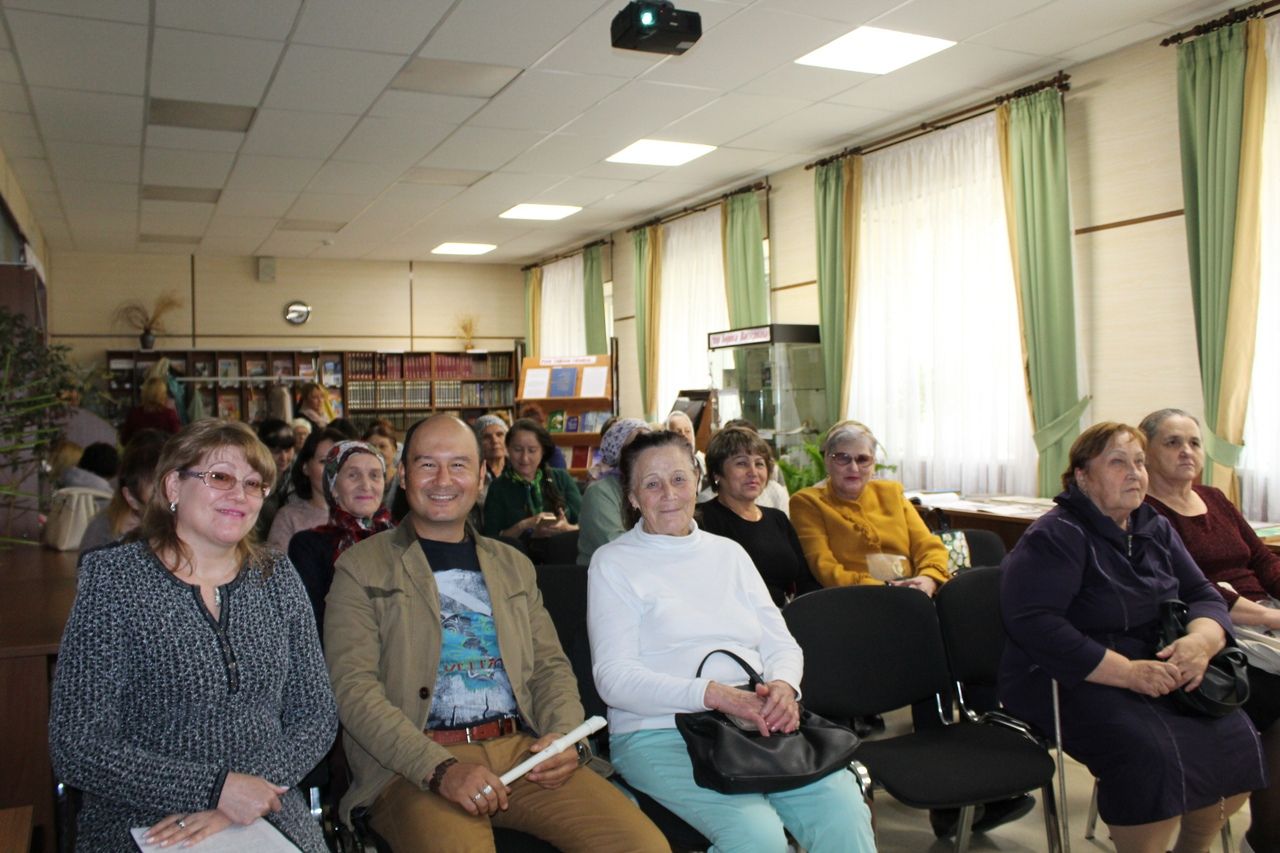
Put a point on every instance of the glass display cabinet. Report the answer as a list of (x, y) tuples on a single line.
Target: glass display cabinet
[(772, 376)]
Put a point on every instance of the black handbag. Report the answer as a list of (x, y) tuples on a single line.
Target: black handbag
[(733, 760), (1225, 686)]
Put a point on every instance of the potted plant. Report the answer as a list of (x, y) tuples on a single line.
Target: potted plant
[(146, 321), (34, 380)]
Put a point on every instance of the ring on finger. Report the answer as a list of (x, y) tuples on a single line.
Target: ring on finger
[(182, 823), (486, 790)]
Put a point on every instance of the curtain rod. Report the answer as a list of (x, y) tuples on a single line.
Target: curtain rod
[(1233, 16), (569, 254), (698, 208), (1059, 81)]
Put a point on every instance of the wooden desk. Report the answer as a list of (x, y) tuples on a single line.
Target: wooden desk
[(15, 830), (36, 590)]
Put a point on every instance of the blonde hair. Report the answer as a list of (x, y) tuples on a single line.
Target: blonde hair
[(843, 431), (197, 440), (155, 393)]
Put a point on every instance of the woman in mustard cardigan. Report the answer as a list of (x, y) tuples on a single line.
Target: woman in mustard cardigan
[(856, 530)]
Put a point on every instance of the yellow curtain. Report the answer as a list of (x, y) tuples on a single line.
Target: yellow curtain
[(653, 286), (852, 203), (1011, 225), (1242, 305), (533, 310)]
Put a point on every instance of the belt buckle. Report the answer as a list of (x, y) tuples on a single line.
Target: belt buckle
[(467, 732)]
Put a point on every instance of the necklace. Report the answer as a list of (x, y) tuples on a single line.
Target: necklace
[(217, 596)]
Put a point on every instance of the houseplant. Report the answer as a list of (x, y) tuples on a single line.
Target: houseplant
[(146, 321)]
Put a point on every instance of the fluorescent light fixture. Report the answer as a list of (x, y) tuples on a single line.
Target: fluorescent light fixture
[(872, 50), (657, 152), (549, 212), (463, 249)]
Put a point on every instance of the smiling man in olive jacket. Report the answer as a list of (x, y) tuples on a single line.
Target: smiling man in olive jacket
[(448, 672)]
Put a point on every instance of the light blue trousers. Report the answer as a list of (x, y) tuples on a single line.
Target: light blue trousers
[(827, 816)]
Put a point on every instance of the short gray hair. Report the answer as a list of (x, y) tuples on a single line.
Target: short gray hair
[(1151, 423), (848, 431)]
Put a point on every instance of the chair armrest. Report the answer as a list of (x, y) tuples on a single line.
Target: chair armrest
[(1008, 721), (863, 777)]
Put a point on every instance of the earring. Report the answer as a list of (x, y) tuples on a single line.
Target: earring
[(173, 506)]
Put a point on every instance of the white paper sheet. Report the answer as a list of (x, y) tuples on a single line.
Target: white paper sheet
[(594, 381), (259, 836), (537, 382)]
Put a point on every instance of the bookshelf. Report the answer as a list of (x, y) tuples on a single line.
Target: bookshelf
[(403, 387), (578, 394)]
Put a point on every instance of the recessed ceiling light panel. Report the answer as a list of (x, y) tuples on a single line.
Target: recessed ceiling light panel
[(872, 50), (463, 249), (548, 212), (658, 152)]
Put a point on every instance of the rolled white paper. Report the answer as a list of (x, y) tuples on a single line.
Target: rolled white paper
[(556, 747)]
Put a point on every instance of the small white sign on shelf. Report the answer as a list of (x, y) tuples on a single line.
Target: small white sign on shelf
[(537, 383), (594, 381)]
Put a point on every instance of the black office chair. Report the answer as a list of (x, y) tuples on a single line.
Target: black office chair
[(869, 650), (985, 547)]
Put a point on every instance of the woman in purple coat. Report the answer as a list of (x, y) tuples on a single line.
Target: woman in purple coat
[(1080, 598)]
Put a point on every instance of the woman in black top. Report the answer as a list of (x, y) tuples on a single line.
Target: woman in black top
[(739, 464)]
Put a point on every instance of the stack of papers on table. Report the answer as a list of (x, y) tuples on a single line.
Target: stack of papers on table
[(259, 836)]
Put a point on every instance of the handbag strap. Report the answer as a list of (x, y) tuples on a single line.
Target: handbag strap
[(754, 677)]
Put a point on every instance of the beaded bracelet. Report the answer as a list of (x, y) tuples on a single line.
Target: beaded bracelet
[(433, 784)]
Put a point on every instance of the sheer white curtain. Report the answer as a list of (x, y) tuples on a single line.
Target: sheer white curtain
[(691, 302), (1260, 464), (937, 358), (564, 326)]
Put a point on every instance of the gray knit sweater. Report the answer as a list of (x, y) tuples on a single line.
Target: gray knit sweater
[(154, 702)]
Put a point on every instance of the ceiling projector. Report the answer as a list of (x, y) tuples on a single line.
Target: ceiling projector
[(656, 26)]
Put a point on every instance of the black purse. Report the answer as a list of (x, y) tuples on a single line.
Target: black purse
[(1225, 686), (733, 760)]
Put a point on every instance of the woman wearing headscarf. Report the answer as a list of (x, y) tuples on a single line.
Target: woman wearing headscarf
[(353, 476), (601, 519)]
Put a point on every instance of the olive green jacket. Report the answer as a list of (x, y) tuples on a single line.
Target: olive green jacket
[(382, 644)]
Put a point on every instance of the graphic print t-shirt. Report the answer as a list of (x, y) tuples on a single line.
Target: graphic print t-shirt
[(472, 683)]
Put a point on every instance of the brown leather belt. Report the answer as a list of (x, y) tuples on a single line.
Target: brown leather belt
[(473, 734)]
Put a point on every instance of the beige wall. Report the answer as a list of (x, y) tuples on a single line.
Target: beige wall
[(382, 305), (16, 199)]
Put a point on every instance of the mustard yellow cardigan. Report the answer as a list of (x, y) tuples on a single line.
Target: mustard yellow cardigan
[(837, 535)]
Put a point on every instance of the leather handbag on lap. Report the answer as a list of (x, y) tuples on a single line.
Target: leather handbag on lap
[(1225, 686), (735, 760)]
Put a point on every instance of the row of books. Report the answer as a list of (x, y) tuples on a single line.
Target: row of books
[(463, 366), (473, 394), (383, 394), (559, 421), (385, 365)]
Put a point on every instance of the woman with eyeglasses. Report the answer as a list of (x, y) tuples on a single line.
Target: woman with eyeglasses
[(190, 692), (857, 530)]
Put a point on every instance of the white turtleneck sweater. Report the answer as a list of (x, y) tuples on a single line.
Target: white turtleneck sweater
[(658, 604)]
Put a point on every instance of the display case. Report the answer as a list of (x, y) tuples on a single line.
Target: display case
[(772, 376)]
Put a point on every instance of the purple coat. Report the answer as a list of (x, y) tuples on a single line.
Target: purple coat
[(1077, 585)]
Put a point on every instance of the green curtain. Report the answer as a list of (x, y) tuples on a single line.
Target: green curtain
[(642, 272), (1042, 216), (745, 288), (1211, 73), (828, 194), (593, 301)]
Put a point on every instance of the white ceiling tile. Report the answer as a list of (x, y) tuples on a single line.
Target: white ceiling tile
[(272, 174), (174, 217), (476, 148), (266, 19), (507, 33), (789, 80), (87, 161), (171, 167), (850, 12), (78, 53), (947, 19), (638, 109), (727, 118), (181, 248), (99, 195), (721, 59), (643, 199), (45, 205), (1115, 41), (326, 79), (211, 68), (287, 244), (162, 136), (33, 174), (953, 76), (256, 228), (544, 100), (129, 11), (581, 191), (9, 68), (392, 142), (587, 50), (397, 26), (563, 154), (254, 203), (450, 109), (229, 247), (621, 171), (1062, 24), (13, 98), (404, 204), (74, 116), (57, 234), (813, 128), (15, 125), (106, 221), (328, 207), (1194, 12), (287, 133), (353, 178), (22, 146), (721, 166)]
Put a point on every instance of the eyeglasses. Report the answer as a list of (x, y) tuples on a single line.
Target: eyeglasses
[(223, 482), (842, 460)]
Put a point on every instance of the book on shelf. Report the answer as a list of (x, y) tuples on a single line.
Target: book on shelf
[(228, 368), (282, 366), (555, 421), (229, 406), (564, 382), (581, 457), (255, 367), (202, 369), (572, 423), (331, 371)]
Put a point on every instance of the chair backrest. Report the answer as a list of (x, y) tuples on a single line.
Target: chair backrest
[(564, 594), (867, 649), (70, 512), (986, 548), (972, 629), (560, 549)]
